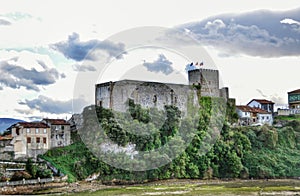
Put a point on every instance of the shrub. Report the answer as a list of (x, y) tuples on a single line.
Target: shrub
[(20, 175)]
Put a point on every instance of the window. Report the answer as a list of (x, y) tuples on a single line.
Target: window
[(38, 140), (62, 127), (37, 130), (267, 117), (18, 131), (45, 130), (28, 140), (44, 140), (262, 117), (154, 98), (28, 130)]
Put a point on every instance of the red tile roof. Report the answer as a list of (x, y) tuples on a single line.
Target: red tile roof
[(246, 108), (56, 121), (32, 125), (6, 137), (295, 91), (262, 101)]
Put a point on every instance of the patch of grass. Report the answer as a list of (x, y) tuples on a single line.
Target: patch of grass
[(288, 118), (254, 187)]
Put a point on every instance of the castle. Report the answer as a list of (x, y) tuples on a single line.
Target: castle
[(155, 94)]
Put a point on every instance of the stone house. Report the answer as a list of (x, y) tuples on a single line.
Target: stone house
[(60, 132), (30, 139), (253, 116)]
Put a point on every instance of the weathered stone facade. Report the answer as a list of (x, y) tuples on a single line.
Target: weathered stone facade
[(60, 132), (148, 94), (30, 139), (154, 94), (6, 149)]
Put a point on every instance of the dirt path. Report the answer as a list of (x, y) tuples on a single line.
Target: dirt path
[(52, 188)]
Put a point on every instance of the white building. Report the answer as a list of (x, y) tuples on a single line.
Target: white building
[(253, 116), (262, 104)]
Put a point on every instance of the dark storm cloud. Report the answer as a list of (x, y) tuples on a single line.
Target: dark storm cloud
[(49, 105), (15, 76), (162, 64), (78, 50), (259, 33), (4, 22)]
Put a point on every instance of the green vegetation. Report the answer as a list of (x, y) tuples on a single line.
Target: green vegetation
[(287, 118), (241, 152), (194, 187)]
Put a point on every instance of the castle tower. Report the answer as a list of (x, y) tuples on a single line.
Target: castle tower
[(208, 79)]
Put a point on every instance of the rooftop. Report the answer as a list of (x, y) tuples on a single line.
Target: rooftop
[(32, 125), (5, 137), (262, 101), (246, 108), (56, 121), (295, 91)]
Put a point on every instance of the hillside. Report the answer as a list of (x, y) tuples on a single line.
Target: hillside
[(7, 122), (241, 152)]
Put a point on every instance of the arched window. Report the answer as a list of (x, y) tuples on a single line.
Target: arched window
[(154, 98)]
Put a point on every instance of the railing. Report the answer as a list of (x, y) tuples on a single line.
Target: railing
[(26, 182), (294, 111)]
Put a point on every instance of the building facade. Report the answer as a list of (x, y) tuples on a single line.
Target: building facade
[(60, 132), (253, 116), (30, 139), (294, 104), (294, 99), (262, 104)]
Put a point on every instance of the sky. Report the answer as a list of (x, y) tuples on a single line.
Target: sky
[(49, 50)]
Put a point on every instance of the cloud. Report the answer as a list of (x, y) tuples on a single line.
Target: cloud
[(16, 76), (258, 33), (4, 22), (261, 93), (78, 50), (49, 105), (18, 16), (162, 64), (274, 97), (295, 25), (83, 68)]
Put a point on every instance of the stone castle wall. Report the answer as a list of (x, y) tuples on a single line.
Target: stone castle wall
[(154, 94), (149, 94)]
